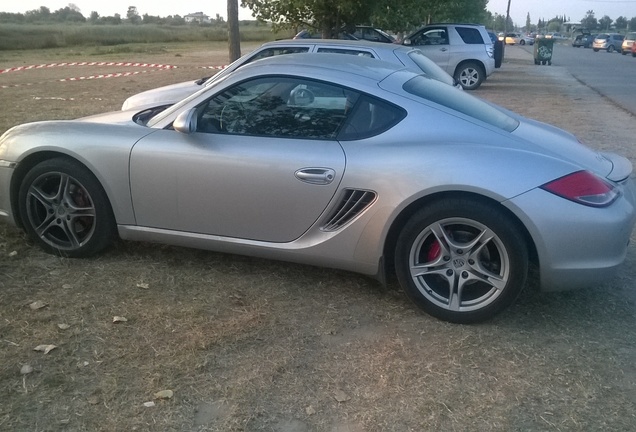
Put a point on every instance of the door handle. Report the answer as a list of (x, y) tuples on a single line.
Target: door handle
[(319, 176)]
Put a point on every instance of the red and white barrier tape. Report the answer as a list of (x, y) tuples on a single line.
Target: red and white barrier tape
[(81, 78), (95, 63), (155, 66)]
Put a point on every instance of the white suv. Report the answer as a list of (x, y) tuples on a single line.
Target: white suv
[(465, 51)]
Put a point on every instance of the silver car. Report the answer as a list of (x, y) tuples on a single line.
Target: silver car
[(407, 56), (338, 161), (610, 42)]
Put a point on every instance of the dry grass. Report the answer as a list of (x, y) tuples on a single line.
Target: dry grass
[(257, 345)]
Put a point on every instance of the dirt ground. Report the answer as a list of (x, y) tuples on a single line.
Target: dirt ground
[(257, 345)]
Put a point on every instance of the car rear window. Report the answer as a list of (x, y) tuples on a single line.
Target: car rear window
[(460, 101), (470, 35), (630, 36)]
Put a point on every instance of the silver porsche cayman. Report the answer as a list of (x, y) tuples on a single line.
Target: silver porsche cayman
[(337, 161)]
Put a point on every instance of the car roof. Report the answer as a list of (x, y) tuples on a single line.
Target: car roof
[(334, 42), (373, 69)]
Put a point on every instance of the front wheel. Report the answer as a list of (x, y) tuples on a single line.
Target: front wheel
[(522, 42), (470, 75), (595, 49), (461, 260), (610, 49), (65, 210)]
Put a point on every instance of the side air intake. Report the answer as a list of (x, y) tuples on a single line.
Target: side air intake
[(352, 203)]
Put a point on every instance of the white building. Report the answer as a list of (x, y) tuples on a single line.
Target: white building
[(197, 17)]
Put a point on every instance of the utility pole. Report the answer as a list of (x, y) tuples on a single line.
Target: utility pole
[(503, 49), (233, 34)]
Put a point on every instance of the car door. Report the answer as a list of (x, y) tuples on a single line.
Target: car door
[(434, 43), (263, 163)]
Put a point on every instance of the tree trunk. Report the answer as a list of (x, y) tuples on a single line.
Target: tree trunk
[(233, 35)]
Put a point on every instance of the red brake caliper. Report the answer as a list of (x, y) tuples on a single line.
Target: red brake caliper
[(434, 251)]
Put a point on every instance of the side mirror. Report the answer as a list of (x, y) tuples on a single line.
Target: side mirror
[(407, 41), (186, 122)]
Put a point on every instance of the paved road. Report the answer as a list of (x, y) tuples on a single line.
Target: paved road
[(612, 75)]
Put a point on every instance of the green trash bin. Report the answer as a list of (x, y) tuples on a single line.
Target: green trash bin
[(543, 50)]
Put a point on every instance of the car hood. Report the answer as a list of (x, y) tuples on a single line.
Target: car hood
[(563, 145), (166, 95)]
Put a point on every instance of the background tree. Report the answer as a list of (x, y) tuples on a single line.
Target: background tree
[(620, 23), (631, 24), (132, 15), (589, 21), (528, 23), (328, 17), (233, 34), (605, 23)]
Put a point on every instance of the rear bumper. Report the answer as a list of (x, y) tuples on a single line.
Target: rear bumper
[(577, 246)]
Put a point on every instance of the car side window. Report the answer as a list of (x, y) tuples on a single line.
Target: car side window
[(278, 107), (472, 36), (369, 117), (434, 36), (274, 51), (355, 52)]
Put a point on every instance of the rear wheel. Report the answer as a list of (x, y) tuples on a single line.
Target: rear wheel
[(595, 49), (461, 260), (610, 49), (522, 42), (470, 75), (65, 210)]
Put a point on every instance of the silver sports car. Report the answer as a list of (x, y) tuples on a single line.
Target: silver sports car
[(337, 161)]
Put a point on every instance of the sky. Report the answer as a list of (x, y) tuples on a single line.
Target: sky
[(575, 10), (544, 9)]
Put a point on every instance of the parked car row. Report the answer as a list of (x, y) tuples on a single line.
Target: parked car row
[(517, 39)]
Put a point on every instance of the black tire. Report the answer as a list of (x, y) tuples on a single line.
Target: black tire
[(610, 49), (65, 210), (595, 49), (522, 42), (448, 273), (470, 75), (633, 54)]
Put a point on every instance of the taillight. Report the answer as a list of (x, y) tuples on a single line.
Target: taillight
[(585, 188)]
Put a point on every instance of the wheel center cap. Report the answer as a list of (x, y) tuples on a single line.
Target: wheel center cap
[(459, 262), (61, 211)]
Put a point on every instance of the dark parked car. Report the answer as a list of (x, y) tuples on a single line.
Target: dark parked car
[(498, 49), (359, 33), (583, 40), (373, 34)]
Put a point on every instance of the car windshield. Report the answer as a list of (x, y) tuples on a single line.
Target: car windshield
[(462, 102), (630, 36)]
